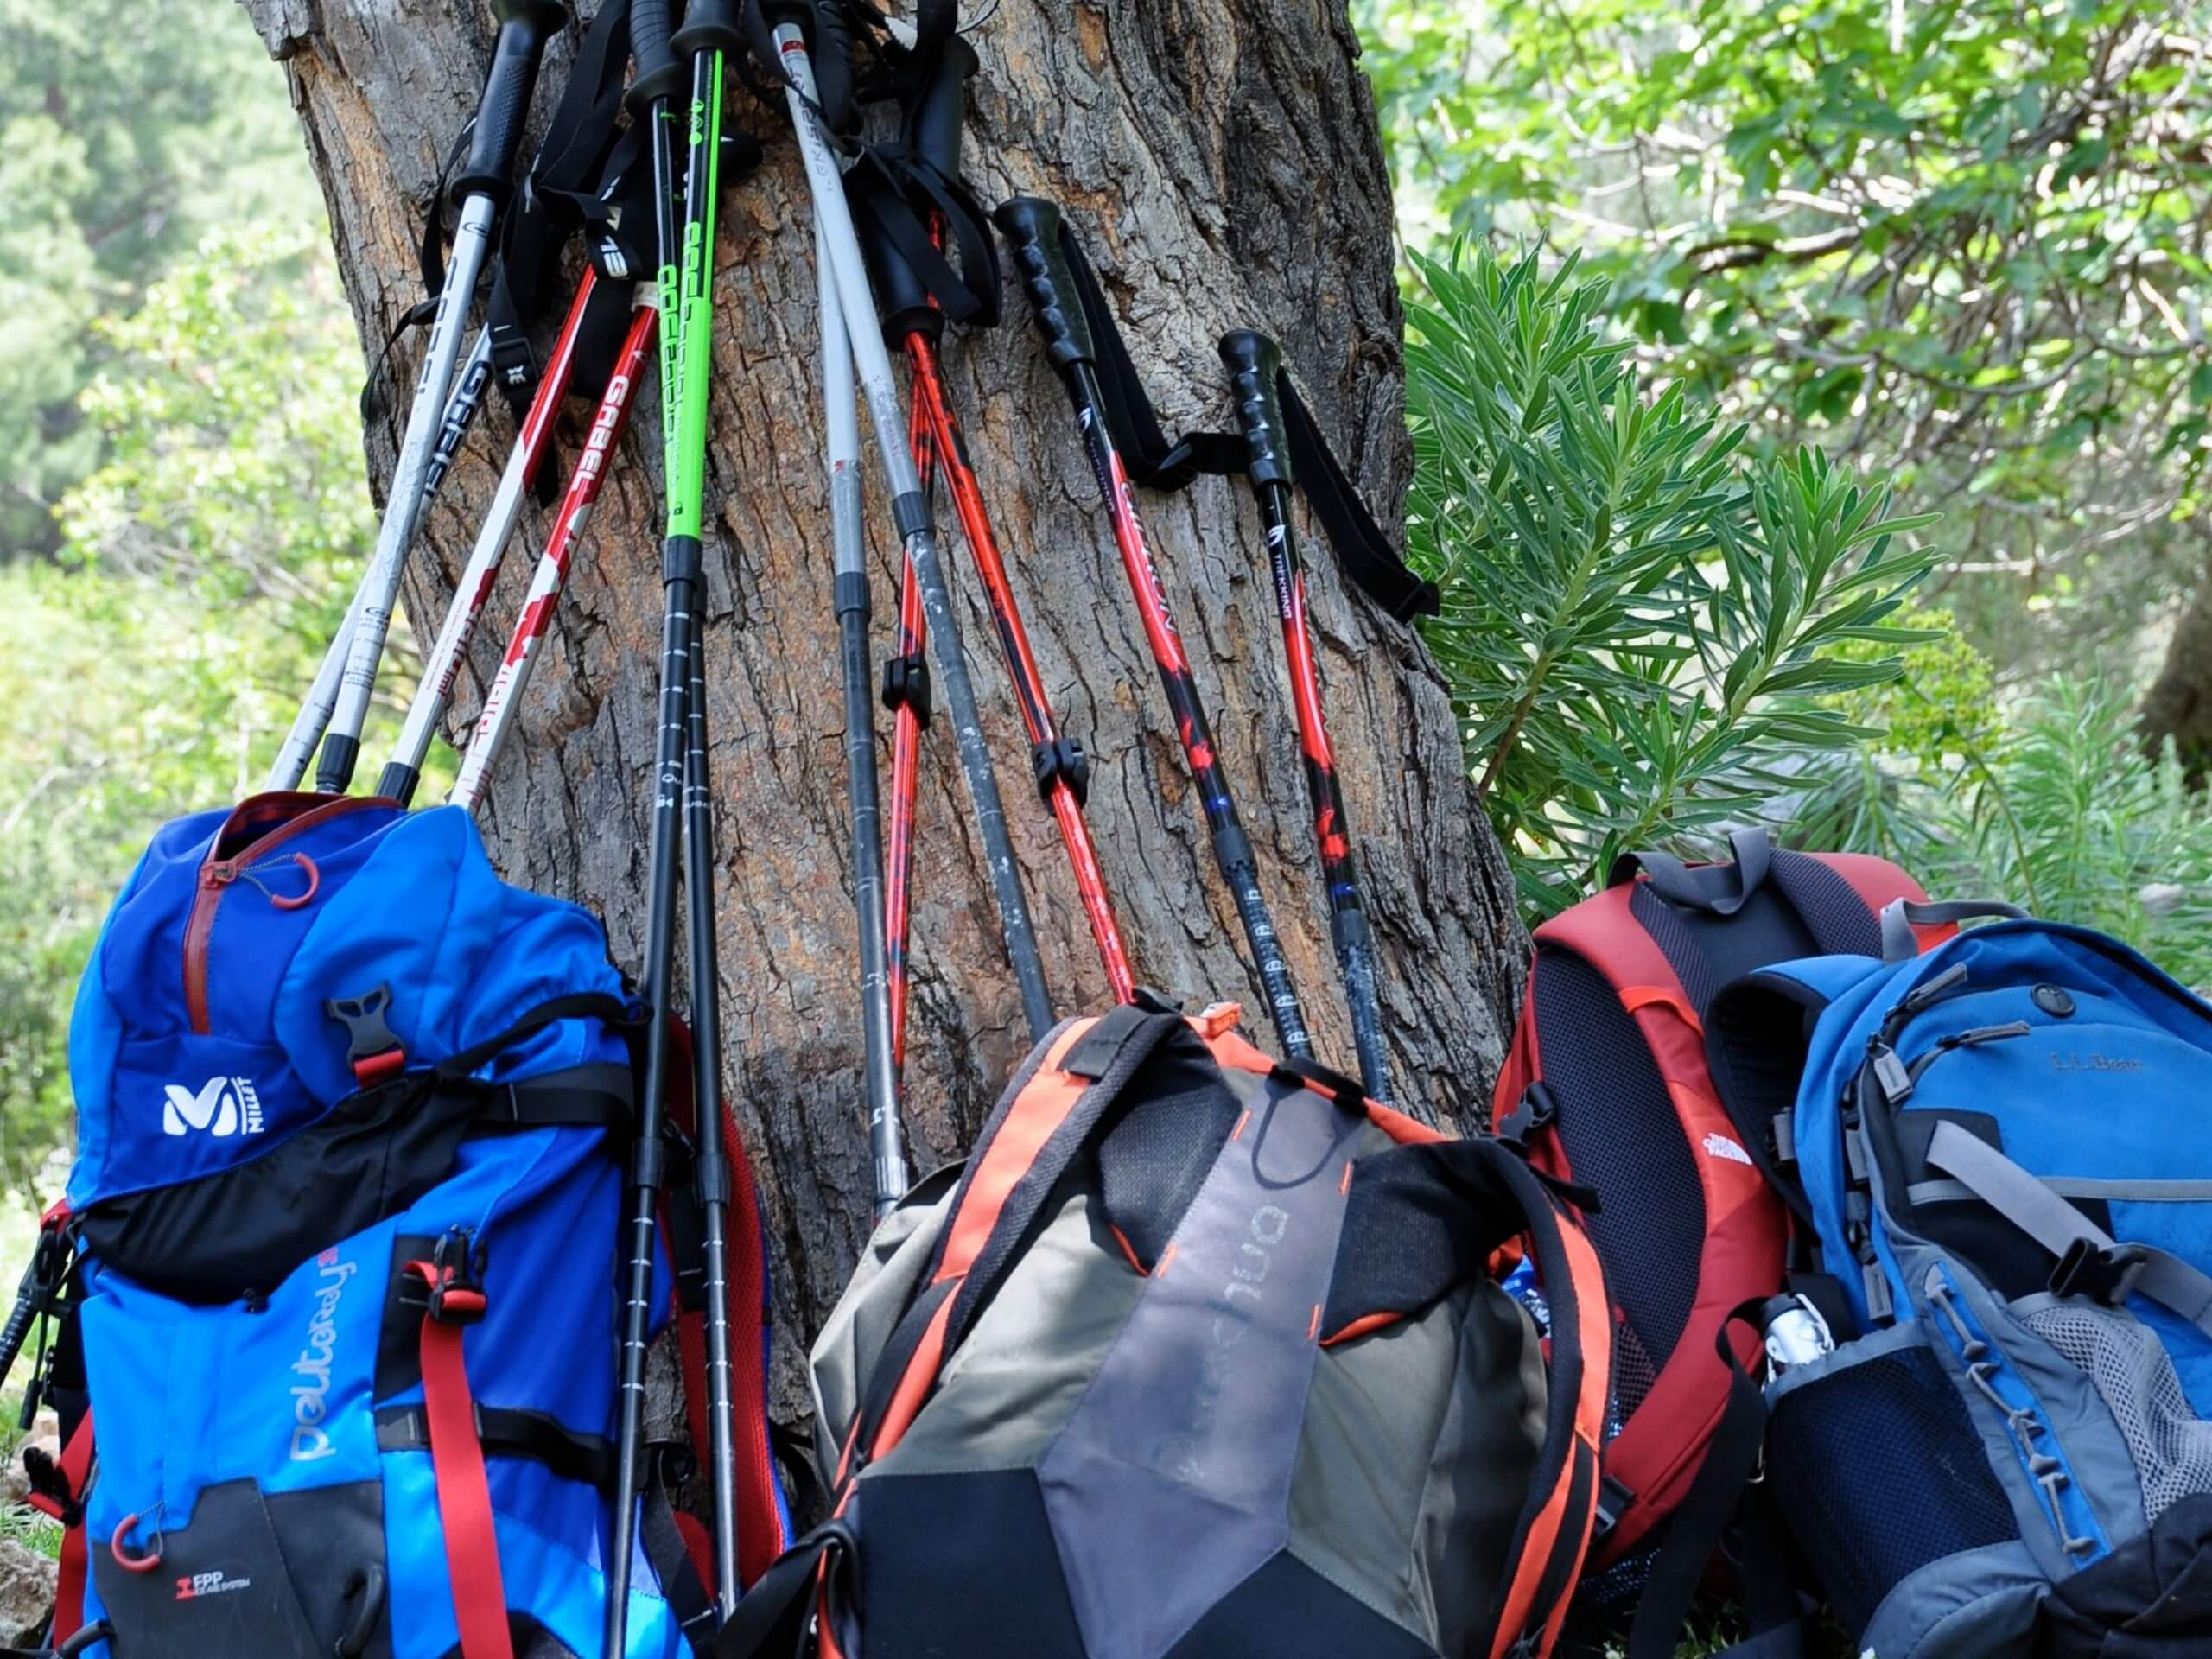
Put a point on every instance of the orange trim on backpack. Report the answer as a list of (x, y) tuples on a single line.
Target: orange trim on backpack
[(1365, 1324), (1405, 1131), (1041, 1107), (914, 1384), (1636, 998)]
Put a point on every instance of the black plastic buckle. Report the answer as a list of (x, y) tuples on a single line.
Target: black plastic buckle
[(456, 1292), (1537, 1109), (372, 1049), (1153, 1001), (906, 685), (1061, 760), (2106, 1275)]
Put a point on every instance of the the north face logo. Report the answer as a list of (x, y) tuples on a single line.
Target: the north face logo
[(1719, 1146), (223, 1106)]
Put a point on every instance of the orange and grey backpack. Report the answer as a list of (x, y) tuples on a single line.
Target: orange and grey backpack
[(1200, 1355), (1606, 1087)]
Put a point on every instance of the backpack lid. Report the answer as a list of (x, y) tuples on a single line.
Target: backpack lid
[(204, 1032)]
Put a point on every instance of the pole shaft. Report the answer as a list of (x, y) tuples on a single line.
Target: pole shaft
[(1348, 927), (1232, 849), (909, 509)]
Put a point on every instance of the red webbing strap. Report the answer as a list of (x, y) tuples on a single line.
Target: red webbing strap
[(479, 1597), (69, 1585)]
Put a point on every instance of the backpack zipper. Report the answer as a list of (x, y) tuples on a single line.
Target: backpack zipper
[(216, 877)]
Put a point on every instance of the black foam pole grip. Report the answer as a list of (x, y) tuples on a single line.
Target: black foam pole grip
[(1031, 229), (1254, 365), (525, 27), (711, 26), (933, 132), (659, 71)]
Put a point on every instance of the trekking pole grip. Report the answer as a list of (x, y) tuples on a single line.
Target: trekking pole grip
[(659, 74), (1031, 229), (941, 110), (525, 27), (711, 26), (1254, 365)]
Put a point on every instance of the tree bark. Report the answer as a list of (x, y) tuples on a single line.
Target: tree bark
[(2178, 705), (1221, 159)]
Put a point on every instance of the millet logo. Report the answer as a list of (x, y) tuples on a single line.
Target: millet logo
[(2077, 1061), (311, 1393), (223, 1106), (1248, 1272)]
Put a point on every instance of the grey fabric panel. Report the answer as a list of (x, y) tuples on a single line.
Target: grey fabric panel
[(1170, 1485), (2131, 1369), (1011, 1384), (1412, 1471), (1971, 1605), (891, 1267), (2104, 1470)]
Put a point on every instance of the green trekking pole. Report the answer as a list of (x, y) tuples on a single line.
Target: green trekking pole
[(686, 280)]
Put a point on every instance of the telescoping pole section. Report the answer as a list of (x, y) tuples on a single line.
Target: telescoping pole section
[(910, 510), (1254, 366), (481, 188), (1032, 230)]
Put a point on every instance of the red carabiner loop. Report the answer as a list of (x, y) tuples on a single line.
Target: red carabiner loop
[(151, 1558), (314, 884)]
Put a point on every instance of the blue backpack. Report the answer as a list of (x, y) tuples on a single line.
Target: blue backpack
[(1998, 1156), (353, 1118)]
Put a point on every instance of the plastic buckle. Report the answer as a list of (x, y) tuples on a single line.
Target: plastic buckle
[(1535, 1109), (456, 1280), (372, 1049), (1061, 760), (906, 685), (2106, 1275)]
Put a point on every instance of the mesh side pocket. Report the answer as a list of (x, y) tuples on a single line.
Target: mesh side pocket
[(2170, 1444), (1879, 1471)]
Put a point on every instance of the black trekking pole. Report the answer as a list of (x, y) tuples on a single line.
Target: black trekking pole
[(1033, 230), (686, 360), (481, 189), (781, 42), (1254, 365)]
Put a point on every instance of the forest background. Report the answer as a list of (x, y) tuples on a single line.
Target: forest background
[(1727, 323)]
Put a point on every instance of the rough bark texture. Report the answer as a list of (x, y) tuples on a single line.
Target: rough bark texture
[(1221, 158), (2179, 703)]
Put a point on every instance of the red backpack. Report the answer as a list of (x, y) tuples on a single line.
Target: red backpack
[(1606, 1087)]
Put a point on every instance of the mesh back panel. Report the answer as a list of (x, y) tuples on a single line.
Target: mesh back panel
[(1880, 1471), (2171, 1446), (1633, 1371), (1673, 936), (1624, 1138), (1838, 917)]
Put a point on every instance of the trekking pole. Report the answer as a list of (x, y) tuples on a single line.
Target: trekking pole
[(906, 693), (851, 598), (434, 692), (1254, 365), (480, 187), (709, 30), (504, 694), (839, 248), (1033, 230), (1061, 770), (308, 725)]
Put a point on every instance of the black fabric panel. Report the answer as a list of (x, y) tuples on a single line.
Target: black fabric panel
[(400, 1338), (1416, 1223), (1624, 1138), (1157, 1144), (2010, 1262), (2150, 1598), (1839, 919), (1288, 1611), (249, 1576), (962, 1564), (1881, 1471), (505, 1432), (1706, 952), (239, 1233)]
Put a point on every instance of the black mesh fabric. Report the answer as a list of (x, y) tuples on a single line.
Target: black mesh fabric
[(1633, 1371), (1840, 921), (1419, 1219), (1880, 1471), (1706, 952), (1624, 1138), (1157, 1144)]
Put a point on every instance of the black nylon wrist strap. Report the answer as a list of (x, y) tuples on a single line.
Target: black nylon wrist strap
[(1368, 557)]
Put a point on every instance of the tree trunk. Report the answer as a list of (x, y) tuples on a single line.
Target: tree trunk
[(2179, 703), (1221, 159)]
